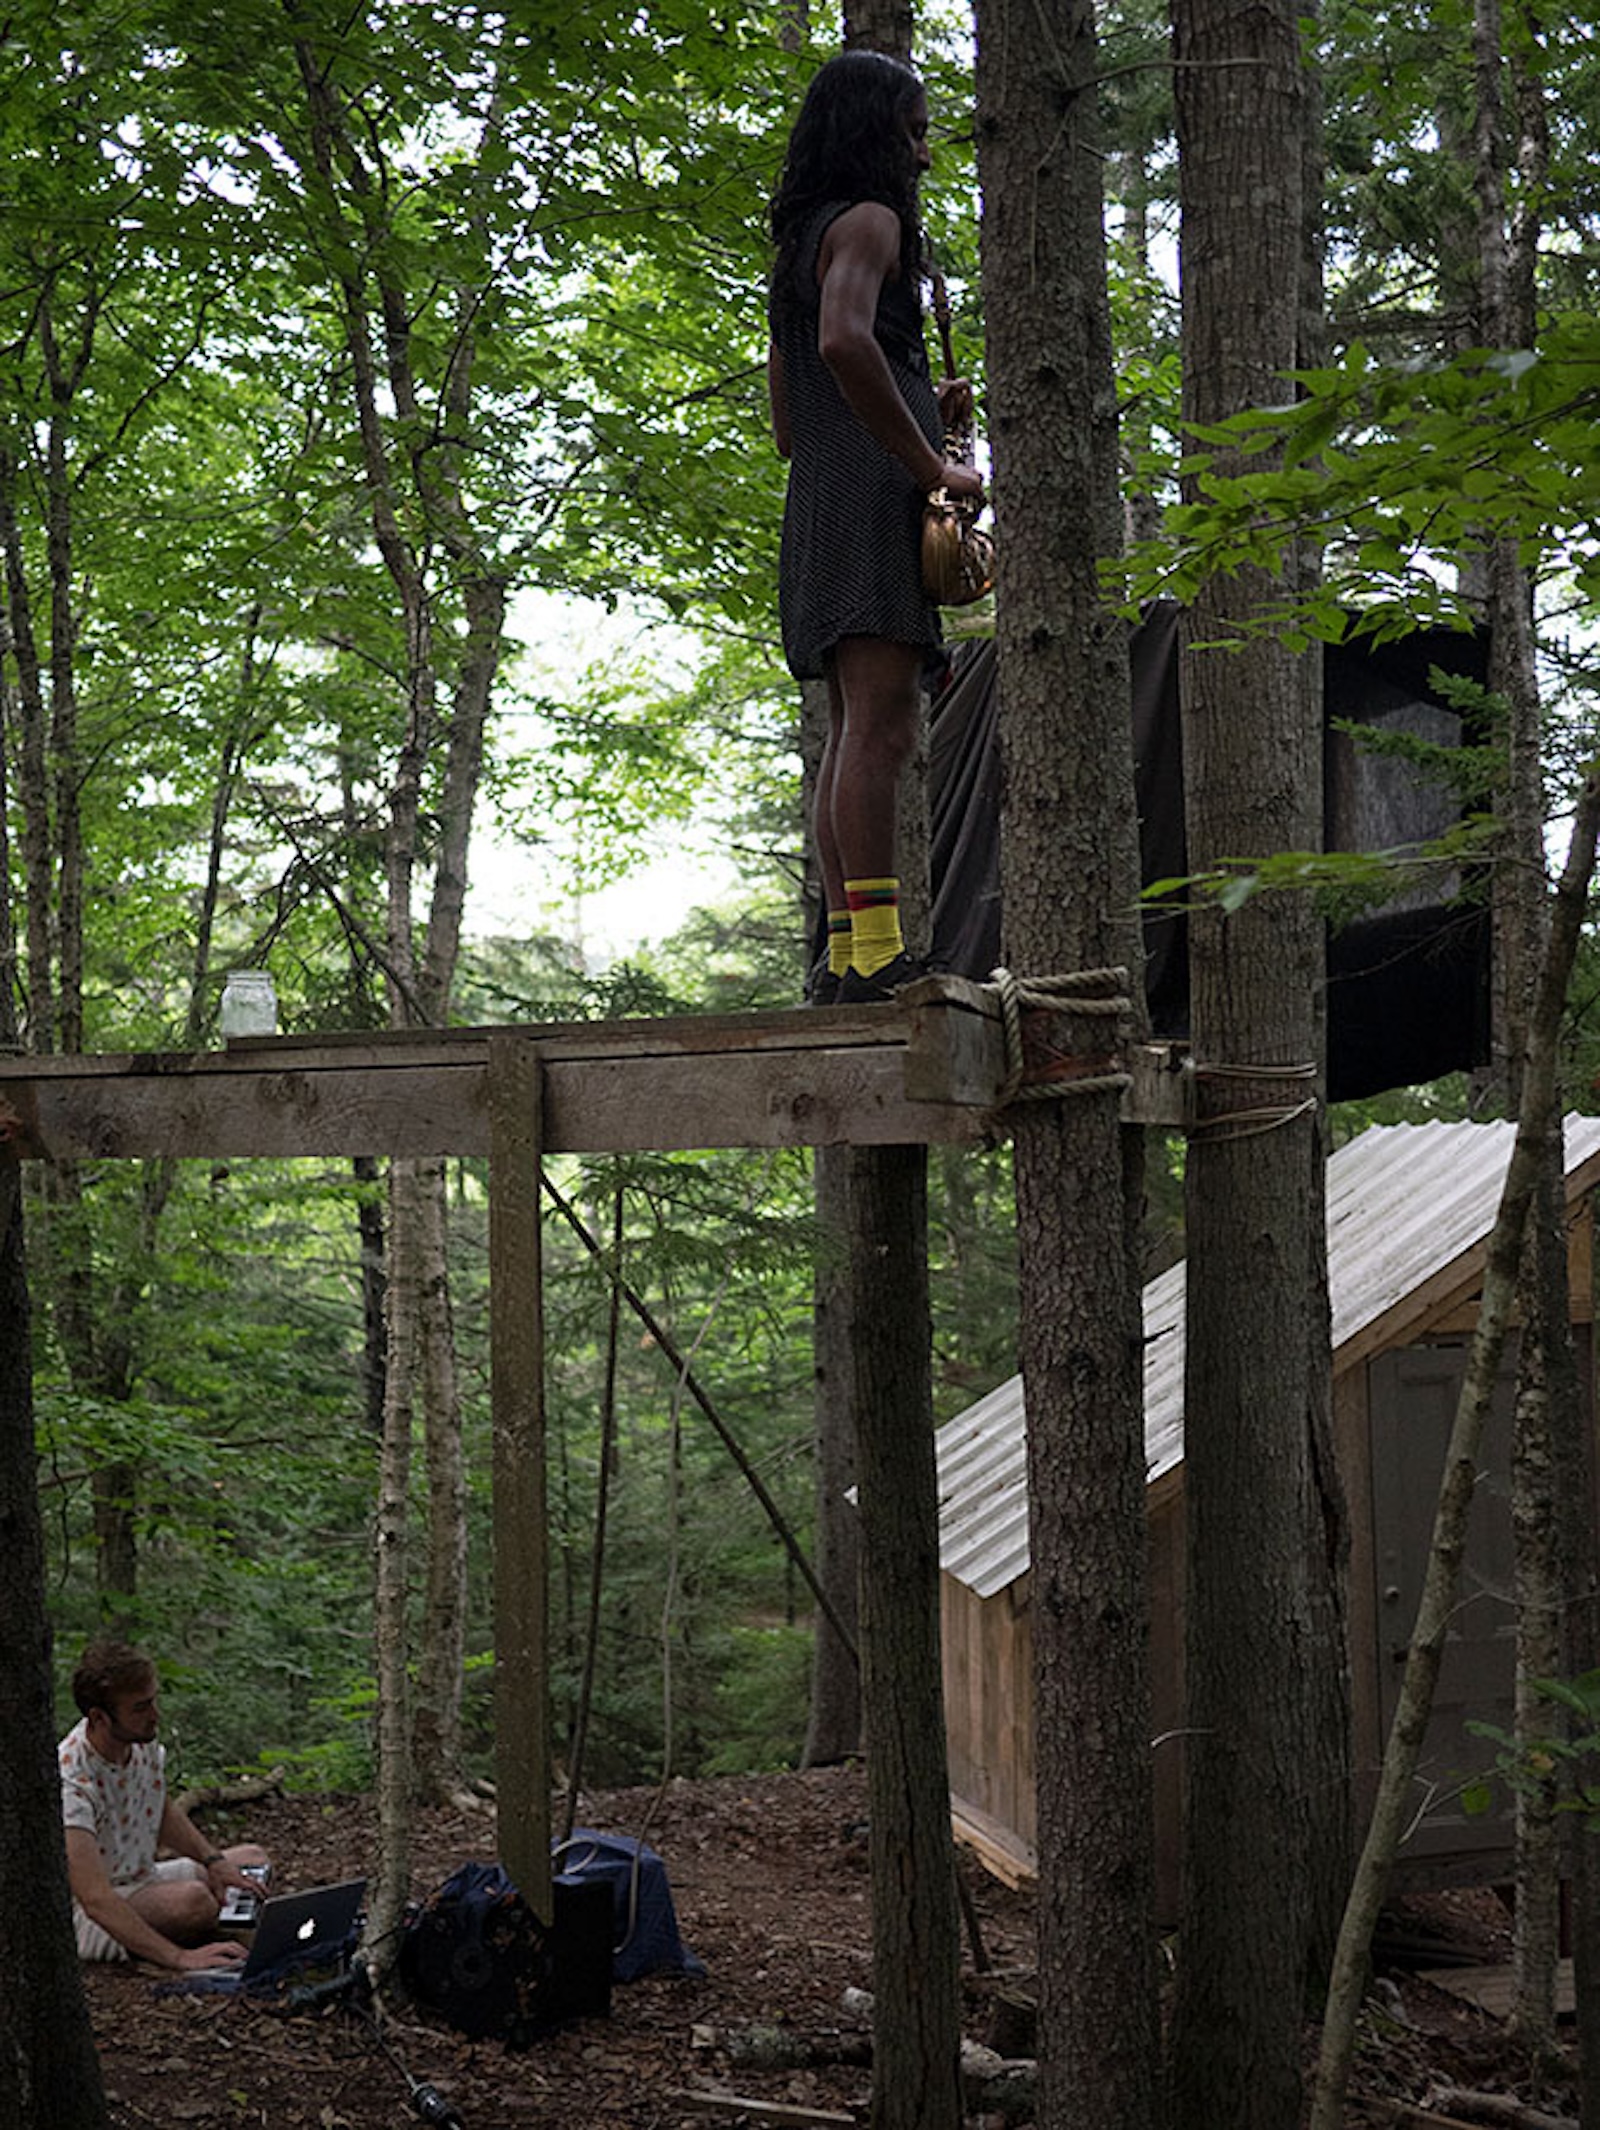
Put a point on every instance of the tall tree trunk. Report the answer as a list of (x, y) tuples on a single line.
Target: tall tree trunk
[(1331, 1847), (436, 1742), (49, 2073), (370, 1198), (1582, 1656), (439, 1764), (10, 959), (1256, 1344), (392, 1551), (1545, 1410), (374, 1282), (33, 782), (66, 770), (1069, 860), (348, 189), (95, 1328), (880, 26)]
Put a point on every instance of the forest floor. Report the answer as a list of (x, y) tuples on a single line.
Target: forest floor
[(768, 1875)]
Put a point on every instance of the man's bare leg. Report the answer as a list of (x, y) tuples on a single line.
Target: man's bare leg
[(185, 1909)]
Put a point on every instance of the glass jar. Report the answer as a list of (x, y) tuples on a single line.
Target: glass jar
[(249, 1003)]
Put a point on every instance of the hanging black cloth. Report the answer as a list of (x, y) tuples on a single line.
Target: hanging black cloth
[(1408, 985)]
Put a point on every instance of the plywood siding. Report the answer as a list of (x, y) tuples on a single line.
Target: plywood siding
[(988, 1685)]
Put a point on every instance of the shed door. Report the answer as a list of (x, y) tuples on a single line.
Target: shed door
[(1413, 1404)]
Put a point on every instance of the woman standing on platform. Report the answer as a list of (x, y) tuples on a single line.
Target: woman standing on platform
[(855, 413)]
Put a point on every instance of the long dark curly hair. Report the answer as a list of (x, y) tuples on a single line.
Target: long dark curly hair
[(848, 143)]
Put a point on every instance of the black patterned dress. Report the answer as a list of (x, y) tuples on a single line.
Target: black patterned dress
[(850, 562)]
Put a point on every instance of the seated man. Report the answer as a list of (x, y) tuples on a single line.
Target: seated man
[(117, 1815)]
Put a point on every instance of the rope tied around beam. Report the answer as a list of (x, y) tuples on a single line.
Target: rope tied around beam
[(1250, 1122), (1046, 1074)]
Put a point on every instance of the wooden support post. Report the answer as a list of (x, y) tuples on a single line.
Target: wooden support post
[(516, 1315), (916, 1924)]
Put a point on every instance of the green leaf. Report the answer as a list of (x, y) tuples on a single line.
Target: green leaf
[(1236, 890)]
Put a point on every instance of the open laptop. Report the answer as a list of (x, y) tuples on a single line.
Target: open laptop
[(299, 1926)]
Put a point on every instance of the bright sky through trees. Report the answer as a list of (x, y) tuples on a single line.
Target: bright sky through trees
[(519, 885)]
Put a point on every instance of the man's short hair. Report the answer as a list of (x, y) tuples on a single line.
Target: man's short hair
[(108, 1669)]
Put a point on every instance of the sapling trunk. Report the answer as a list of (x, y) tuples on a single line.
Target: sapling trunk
[(1535, 1120)]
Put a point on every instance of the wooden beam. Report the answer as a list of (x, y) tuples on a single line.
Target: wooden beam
[(792, 1079), (956, 1046), (926, 1072), (516, 1339)]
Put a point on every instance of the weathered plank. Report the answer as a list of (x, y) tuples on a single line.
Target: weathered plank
[(701, 1034), (812, 1098), (999, 1848), (1493, 1989), (112, 1109), (789, 1079), (927, 1072), (956, 1046)]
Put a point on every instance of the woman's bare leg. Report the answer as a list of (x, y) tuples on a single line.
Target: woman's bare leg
[(879, 693), (827, 847)]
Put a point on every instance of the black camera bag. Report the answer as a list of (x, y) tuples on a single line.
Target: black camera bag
[(476, 1953)]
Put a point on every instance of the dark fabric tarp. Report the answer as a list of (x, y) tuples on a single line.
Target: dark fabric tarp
[(646, 1940), (1408, 986)]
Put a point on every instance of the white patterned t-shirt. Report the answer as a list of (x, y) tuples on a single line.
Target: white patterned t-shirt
[(120, 1807)]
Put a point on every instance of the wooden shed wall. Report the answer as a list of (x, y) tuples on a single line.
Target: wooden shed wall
[(988, 1643), (988, 1687), (988, 1696)]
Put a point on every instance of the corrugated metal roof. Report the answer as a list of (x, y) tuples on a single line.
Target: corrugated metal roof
[(1405, 1201)]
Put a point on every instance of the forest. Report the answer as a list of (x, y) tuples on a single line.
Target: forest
[(388, 554)]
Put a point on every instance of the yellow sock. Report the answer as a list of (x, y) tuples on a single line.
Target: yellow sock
[(838, 942), (875, 935)]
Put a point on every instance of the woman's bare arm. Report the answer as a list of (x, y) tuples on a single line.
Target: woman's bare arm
[(778, 402), (860, 251)]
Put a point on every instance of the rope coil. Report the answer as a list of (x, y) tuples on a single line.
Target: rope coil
[(1249, 1123), (1048, 1074), (1092, 992)]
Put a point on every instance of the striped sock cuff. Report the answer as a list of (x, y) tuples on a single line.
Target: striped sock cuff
[(872, 894)]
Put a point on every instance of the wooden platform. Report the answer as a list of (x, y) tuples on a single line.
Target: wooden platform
[(927, 1071)]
